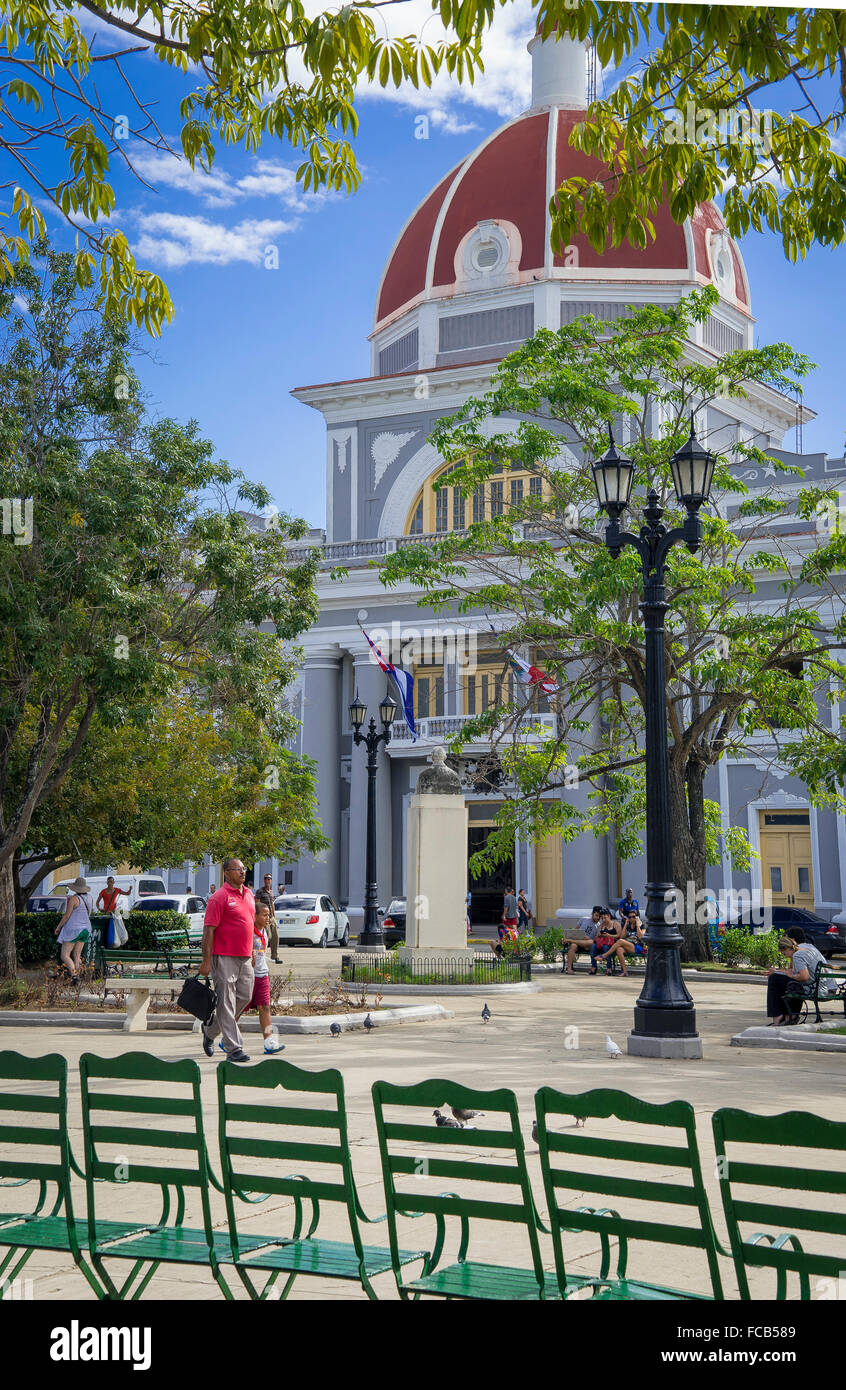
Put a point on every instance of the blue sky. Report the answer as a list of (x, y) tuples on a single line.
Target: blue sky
[(244, 334)]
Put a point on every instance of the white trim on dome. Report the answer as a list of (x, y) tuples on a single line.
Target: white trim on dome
[(395, 247), (551, 162)]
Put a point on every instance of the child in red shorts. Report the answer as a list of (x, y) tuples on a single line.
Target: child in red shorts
[(261, 988)]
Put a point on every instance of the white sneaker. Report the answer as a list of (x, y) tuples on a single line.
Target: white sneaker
[(272, 1046)]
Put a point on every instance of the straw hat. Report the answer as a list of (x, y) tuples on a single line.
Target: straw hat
[(79, 886)]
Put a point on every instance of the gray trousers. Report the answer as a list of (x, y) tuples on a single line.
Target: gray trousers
[(232, 977)]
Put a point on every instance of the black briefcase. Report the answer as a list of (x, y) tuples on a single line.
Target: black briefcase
[(198, 998)]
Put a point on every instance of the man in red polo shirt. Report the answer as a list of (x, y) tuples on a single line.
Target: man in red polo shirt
[(228, 958)]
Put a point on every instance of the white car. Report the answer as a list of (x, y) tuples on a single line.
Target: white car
[(190, 904), (139, 885), (310, 919)]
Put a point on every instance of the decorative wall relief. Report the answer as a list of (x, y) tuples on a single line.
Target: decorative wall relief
[(341, 444), (385, 449)]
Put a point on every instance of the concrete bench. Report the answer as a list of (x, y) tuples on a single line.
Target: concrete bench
[(138, 992)]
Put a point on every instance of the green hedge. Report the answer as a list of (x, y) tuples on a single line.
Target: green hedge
[(36, 940)]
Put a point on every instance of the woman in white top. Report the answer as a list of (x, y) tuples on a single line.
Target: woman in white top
[(74, 928)]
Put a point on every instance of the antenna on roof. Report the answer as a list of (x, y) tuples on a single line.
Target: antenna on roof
[(591, 74)]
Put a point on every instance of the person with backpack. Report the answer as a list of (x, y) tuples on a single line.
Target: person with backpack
[(74, 928)]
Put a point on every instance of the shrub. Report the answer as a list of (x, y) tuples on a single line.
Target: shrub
[(735, 946), (550, 942), (35, 932), (763, 951), (525, 945)]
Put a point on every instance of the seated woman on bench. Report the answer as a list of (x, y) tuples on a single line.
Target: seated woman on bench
[(803, 959)]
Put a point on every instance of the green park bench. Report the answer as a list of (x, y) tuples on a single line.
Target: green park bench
[(315, 1137), (800, 995), (35, 1149), (415, 1151), (118, 1126), (599, 1167), (762, 1233), (171, 953)]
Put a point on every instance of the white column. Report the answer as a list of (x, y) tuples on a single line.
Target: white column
[(840, 917), (321, 741)]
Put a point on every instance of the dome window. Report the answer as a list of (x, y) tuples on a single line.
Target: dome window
[(721, 262), (486, 255)]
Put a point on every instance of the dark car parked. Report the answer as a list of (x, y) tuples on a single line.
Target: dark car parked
[(826, 936), (47, 902), (393, 922)]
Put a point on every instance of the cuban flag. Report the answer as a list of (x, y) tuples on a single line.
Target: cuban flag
[(531, 675), (404, 682)]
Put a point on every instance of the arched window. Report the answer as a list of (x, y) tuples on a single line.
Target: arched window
[(447, 509)]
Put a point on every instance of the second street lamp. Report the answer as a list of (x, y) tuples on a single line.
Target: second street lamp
[(664, 1018), (371, 934)]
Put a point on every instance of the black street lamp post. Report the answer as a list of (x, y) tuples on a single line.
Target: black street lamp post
[(371, 934), (664, 1016)]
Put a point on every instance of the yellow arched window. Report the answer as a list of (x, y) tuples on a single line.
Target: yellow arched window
[(447, 509)]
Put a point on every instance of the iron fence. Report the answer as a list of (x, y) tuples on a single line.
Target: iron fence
[(389, 969)]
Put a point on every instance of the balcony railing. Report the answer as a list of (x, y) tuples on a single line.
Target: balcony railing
[(363, 551), (442, 727)]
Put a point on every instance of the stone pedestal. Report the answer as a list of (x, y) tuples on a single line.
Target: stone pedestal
[(436, 871)]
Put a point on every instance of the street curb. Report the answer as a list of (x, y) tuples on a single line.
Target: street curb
[(801, 1038), (283, 1023), (522, 987)]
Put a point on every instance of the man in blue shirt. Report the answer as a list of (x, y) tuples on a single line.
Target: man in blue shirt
[(627, 904)]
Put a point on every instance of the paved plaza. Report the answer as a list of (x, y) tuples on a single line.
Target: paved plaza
[(523, 1047)]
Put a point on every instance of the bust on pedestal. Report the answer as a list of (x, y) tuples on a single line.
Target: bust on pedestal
[(436, 874)]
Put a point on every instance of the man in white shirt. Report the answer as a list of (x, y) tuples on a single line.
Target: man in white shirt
[(589, 926)]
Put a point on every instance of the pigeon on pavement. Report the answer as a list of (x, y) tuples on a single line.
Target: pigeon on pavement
[(486, 1013), (611, 1047), (444, 1122), (368, 1023), (465, 1115), (335, 1029)]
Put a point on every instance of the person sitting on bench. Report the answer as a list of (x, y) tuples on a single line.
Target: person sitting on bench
[(803, 959)]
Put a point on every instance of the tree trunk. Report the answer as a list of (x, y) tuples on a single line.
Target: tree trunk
[(8, 955), (687, 821), (48, 866)]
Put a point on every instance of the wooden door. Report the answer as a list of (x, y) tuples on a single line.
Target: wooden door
[(786, 868), (548, 880)]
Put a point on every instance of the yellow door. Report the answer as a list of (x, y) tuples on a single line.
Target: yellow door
[(547, 879), (786, 858)]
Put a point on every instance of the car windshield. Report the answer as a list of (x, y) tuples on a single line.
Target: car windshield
[(292, 904), (396, 905), (158, 905)]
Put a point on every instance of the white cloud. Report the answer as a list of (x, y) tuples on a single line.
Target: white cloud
[(173, 171), (174, 241)]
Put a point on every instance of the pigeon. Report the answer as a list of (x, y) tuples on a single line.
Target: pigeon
[(368, 1023), (611, 1047), (535, 1131), (335, 1029), (465, 1115), (444, 1122), (486, 1013)]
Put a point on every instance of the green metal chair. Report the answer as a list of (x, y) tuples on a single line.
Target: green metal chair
[(584, 1174), (326, 1149), (763, 1248), (30, 1087), (433, 1152), (114, 1154)]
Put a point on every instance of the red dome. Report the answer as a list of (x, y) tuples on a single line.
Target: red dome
[(510, 179)]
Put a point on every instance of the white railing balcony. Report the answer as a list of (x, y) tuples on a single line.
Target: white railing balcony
[(442, 727)]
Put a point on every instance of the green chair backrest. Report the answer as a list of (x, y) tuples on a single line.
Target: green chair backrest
[(267, 1128), (415, 1152), (30, 1151), (804, 1155), (116, 1149), (627, 1174)]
